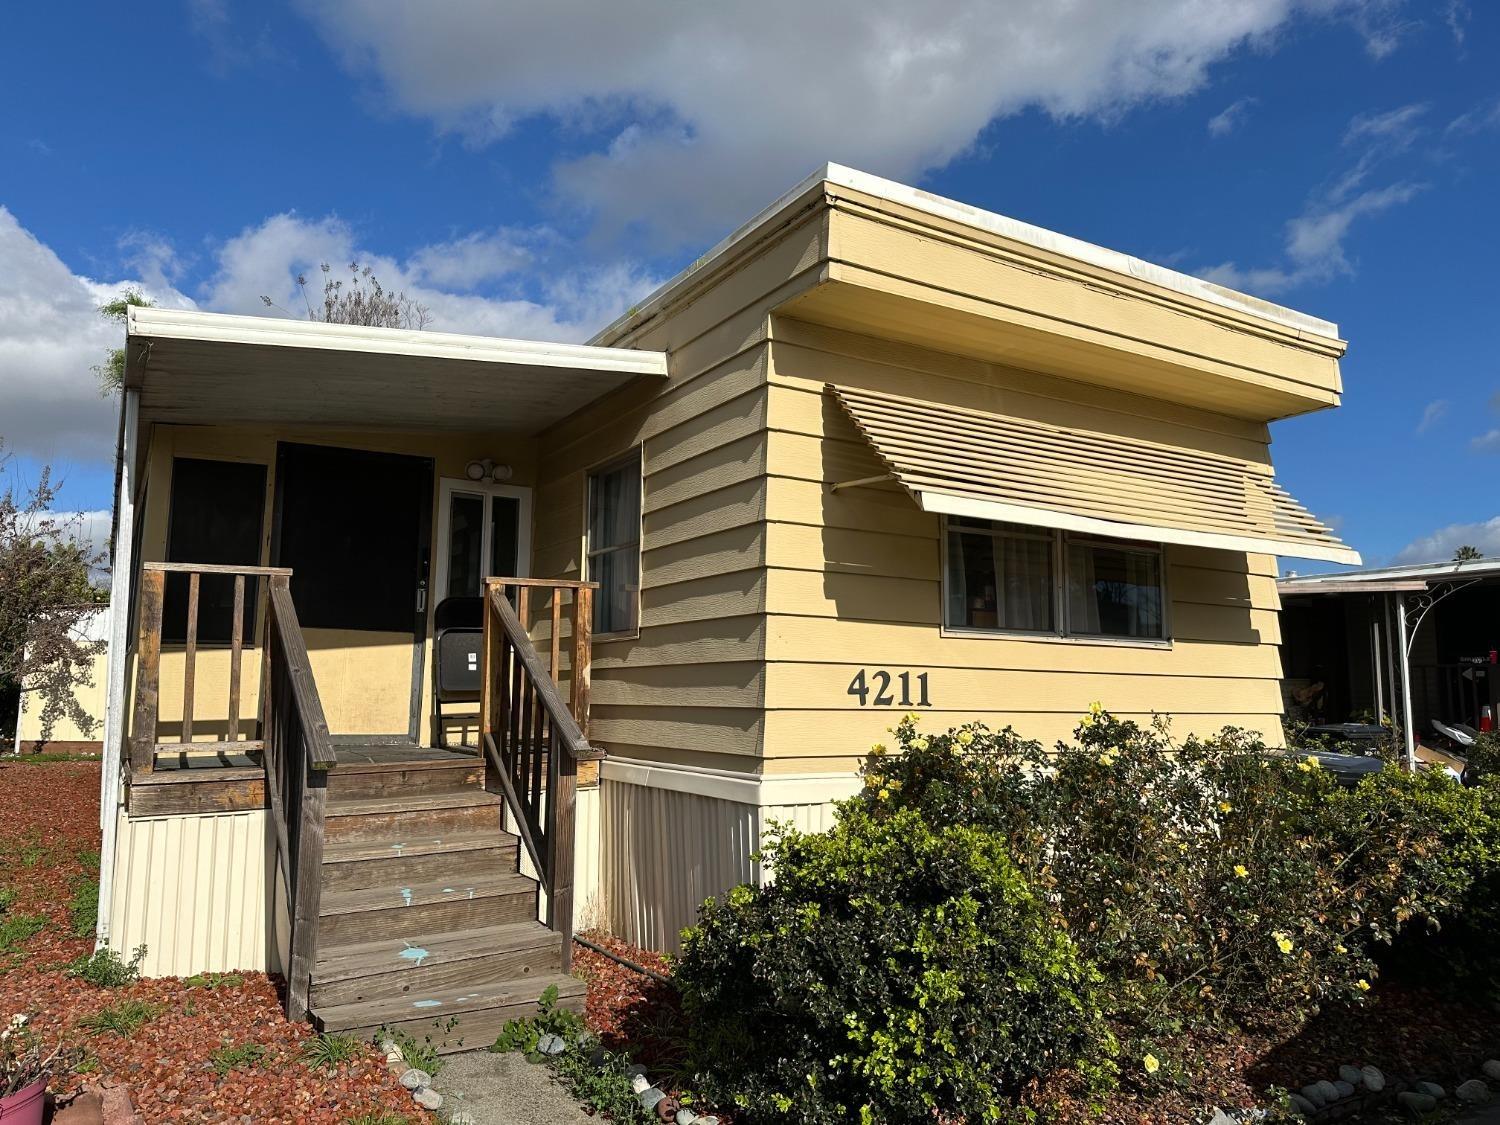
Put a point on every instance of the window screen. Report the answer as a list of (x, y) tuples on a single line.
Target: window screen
[(215, 516), (614, 544)]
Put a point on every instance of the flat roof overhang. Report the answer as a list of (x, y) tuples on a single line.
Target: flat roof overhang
[(199, 368)]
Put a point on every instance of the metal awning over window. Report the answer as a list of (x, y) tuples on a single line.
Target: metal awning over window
[(990, 466)]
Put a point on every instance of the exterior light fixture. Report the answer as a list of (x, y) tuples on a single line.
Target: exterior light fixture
[(489, 469)]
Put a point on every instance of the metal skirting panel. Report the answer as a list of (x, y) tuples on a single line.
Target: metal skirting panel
[(664, 853), (192, 890)]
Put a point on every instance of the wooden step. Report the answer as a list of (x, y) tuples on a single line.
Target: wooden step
[(389, 779), (351, 865), (419, 815), (366, 971), (476, 1013), (404, 912)]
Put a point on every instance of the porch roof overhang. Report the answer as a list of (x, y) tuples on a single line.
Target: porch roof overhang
[(198, 368), (961, 462)]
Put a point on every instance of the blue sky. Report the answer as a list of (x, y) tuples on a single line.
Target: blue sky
[(531, 169)]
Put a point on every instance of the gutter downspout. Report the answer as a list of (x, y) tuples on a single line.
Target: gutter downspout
[(1408, 722), (118, 662)]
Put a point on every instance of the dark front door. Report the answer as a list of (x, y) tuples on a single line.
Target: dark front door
[(355, 528)]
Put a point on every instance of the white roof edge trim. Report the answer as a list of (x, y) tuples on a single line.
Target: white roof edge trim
[(264, 331), (1449, 569), (1040, 237), (950, 505)]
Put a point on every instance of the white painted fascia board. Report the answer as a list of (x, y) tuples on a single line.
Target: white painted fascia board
[(145, 323), (1145, 533), (939, 206), (741, 787)]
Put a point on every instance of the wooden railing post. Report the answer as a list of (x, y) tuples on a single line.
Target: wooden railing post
[(147, 673), (583, 628), (532, 740)]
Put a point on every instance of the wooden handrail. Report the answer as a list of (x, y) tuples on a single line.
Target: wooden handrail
[(298, 755), (530, 735), (217, 568)]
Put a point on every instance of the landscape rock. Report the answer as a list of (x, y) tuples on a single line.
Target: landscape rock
[(414, 1079), (1314, 1095), (1474, 1091), (639, 1083), (1491, 1069), (686, 1117), (390, 1047), (1432, 1090), (1374, 1080), (428, 1099), (1416, 1101), (1302, 1105), (551, 1045), (649, 1097), (85, 1109), (1329, 1091), (1345, 1089), (1351, 1074)]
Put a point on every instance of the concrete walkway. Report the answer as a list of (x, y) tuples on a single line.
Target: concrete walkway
[(505, 1090)]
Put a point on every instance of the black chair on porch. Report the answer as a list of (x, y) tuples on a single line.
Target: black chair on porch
[(458, 640)]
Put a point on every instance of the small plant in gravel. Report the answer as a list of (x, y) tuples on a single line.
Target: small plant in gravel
[(550, 1019), (104, 968), (243, 1056), (327, 1051), (83, 908), (384, 1118), (214, 980), (124, 1019), (422, 1055), (15, 929)]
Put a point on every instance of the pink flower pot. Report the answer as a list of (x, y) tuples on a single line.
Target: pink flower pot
[(25, 1106)]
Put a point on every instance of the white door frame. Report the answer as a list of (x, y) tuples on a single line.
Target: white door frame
[(447, 486)]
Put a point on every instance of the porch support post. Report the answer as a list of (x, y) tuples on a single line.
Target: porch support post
[(1377, 673), (1408, 720), (122, 567)]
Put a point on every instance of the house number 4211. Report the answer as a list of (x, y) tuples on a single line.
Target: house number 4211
[(876, 687)]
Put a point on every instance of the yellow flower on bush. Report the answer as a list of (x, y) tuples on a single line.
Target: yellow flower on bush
[(1341, 948), (1225, 806), (1362, 985), (884, 794), (965, 737), (912, 717), (1151, 1063), (1303, 766), (1241, 870), (920, 744), (1283, 942), (1107, 758), (1096, 709), (878, 748)]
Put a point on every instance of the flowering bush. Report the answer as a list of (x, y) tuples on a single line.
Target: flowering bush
[(1208, 881), (897, 968)]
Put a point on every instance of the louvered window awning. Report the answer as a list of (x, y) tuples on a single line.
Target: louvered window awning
[(988, 466)]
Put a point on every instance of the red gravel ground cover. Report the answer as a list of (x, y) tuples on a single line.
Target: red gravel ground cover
[(48, 831)]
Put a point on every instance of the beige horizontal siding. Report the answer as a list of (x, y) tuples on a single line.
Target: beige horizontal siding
[(853, 578)]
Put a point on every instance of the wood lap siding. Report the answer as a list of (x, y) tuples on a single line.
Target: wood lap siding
[(854, 577)]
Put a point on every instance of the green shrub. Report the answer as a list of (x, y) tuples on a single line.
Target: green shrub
[(104, 968), (214, 980), (241, 1057), (896, 968), (83, 908), (1208, 881), (522, 1035), (124, 1018)]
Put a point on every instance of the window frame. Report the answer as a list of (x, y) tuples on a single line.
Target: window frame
[(448, 487), (633, 457), (1060, 633)]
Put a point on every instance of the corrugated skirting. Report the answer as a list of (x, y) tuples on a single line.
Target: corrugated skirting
[(192, 890)]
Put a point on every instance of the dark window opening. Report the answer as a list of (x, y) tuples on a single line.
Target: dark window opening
[(214, 516)]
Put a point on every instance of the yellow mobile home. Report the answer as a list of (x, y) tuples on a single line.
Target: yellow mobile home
[(452, 644)]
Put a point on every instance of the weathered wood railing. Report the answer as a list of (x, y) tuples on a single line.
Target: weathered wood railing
[(298, 755), (294, 746), (533, 740), (144, 746)]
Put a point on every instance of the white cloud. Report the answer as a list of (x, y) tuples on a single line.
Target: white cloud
[(573, 302), (1230, 118), (51, 338), (1488, 442), (1432, 414), (695, 115), (1476, 120), (1440, 544), (1313, 243)]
